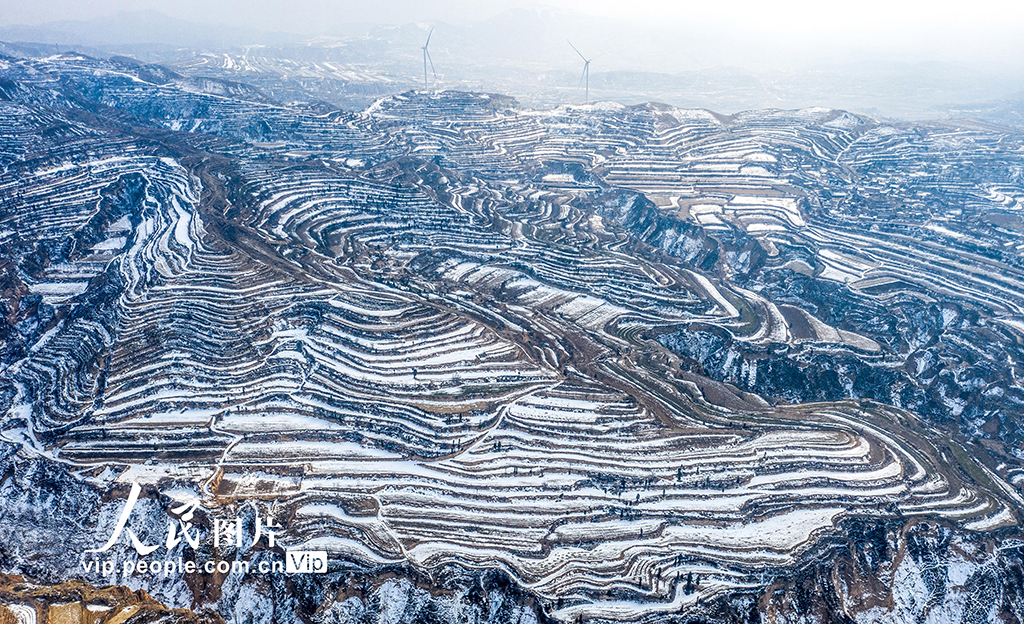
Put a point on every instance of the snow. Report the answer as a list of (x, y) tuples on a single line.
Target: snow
[(58, 290), (785, 208), (756, 171), (23, 614), (938, 229), (239, 421), (111, 244), (729, 309), (308, 450), (694, 114), (345, 547), (780, 533)]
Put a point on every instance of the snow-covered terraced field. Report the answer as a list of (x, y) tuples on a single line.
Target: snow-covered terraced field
[(447, 331)]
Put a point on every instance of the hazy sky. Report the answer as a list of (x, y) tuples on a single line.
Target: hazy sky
[(989, 31), (976, 19)]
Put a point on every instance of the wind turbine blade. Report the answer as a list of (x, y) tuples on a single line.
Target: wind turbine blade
[(577, 51), (585, 67), (431, 63), (429, 34)]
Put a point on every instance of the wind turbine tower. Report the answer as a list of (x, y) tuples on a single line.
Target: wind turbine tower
[(426, 58), (586, 70)]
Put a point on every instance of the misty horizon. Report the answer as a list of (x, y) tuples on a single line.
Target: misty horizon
[(900, 61)]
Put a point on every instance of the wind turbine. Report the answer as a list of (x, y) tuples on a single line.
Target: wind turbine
[(426, 57), (586, 69)]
